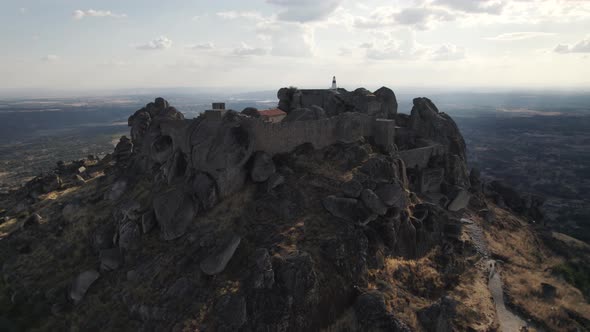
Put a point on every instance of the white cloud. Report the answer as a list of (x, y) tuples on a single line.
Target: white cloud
[(520, 35), (448, 52), (232, 15), (50, 58), (246, 50), (305, 10), (199, 17), (395, 48), (114, 63), (562, 49), (288, 39), (80, 14), (474, 6), (421, 18), (344, 51), (402, 45), (582, 46), (202, 46), (160, 43)]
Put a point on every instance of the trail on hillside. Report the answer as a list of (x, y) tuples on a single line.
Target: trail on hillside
[(509, 321)]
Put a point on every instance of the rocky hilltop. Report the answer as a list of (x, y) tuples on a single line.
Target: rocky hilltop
[(344, 216)]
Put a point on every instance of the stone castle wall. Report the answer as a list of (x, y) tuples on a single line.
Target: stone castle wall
[(283, 137)]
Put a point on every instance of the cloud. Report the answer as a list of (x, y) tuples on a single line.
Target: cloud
[(288, 39), (22, 10), (448, 52), (80, 14), (344, 51), (232, 15), (50, 58), (114, 63), (198, 17), (246, 50), (520, 35), (582, 46), (160, 43), (202, 46), (404, 48), (493, 7), (305, 10), (421, 18)]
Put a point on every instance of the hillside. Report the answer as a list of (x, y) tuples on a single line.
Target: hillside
[(344, 216)]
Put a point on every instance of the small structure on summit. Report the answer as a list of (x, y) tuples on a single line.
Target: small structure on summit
[(334, 86), (217, 112)]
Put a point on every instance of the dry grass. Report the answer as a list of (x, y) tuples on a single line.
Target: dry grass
[(527, 264), (408, 286), (9, 227), (475, 308)]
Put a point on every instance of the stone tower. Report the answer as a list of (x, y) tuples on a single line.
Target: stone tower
[(334, 86)]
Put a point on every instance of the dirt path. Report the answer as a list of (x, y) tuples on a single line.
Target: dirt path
[(509, 321)]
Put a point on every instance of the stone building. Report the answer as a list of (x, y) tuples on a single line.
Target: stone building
[(273, 115)]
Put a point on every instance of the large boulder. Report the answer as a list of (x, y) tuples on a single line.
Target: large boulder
[(431, 180), (216, 263), (73, 212), (392, 194), (123, 152), (373, 202), (229, 180), (110, 259), (262, 167), (313, 112), (263, 275), (372, 315), (344, 208), (379, 169), (174, 211), (460, 201), (352, 188), (439, 316), (80, 285), (296, 273), (388, 102), (251, 111), (139, 122), (428, 123), (205, 190), (129, 236), (230, 312)]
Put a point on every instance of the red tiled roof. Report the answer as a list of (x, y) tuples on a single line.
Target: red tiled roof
[(272, 112)]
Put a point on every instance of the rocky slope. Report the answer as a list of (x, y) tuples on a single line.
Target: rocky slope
[(209, 235)]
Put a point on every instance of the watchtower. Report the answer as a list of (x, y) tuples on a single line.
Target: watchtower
[(217, 112)]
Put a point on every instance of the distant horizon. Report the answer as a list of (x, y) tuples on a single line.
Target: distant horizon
[(187, 90)]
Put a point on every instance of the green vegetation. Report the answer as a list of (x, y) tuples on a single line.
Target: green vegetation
[(576, 273)]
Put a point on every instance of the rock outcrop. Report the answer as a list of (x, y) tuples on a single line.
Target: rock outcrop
[(245, 225)]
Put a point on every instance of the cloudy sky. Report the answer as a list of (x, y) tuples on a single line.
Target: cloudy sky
[(264, 44)]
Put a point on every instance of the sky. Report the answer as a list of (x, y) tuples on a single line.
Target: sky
[(266, 44)]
